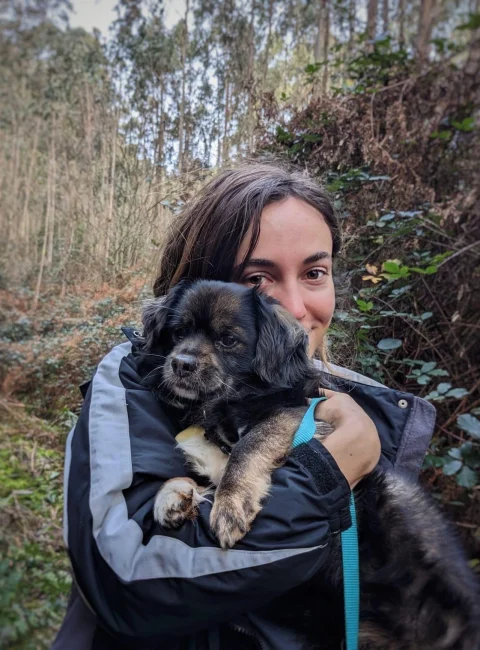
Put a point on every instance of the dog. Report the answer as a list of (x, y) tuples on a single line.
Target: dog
[(235, 363)]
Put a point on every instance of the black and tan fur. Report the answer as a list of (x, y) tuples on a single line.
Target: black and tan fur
[(236, 364)]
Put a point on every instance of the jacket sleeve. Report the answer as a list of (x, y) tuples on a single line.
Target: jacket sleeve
[(145, 581)]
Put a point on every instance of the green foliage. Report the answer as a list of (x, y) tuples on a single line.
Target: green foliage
[(16, 330), (460, 462), (470, 424), (34, 570), (473, 22), (312, 69), (35, 586), (466, 125), (371, 70), (351, 180), (385, 345)]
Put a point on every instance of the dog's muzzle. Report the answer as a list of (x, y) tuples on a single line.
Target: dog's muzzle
[(184, 364)]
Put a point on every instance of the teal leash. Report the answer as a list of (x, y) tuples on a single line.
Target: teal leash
[(351, 579), (351, 569)]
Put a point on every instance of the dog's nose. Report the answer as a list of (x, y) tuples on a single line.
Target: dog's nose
[(183, 364)]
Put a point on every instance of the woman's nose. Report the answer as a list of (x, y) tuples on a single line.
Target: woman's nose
[(291, 298)]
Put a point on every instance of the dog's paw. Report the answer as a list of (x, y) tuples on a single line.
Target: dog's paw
[(231, 519), (176, 502)]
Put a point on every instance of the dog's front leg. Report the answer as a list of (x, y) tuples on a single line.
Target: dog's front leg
[(178, 498), (247, 477)]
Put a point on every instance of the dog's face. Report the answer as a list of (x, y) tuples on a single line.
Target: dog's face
[(208, 338)]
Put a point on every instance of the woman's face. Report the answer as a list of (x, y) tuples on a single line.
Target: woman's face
[(292, 262)]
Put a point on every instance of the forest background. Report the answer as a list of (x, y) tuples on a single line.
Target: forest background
[(103, 138)]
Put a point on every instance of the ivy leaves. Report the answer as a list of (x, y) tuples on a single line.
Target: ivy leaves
[(461, 463)]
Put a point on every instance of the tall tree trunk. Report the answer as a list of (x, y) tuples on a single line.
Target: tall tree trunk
[(91, 233), (472, 65), (183, 59), (321, 46), (52, 191), (250, 79), (318, 49), (42, 264), (425, 26), (401, 23), (268, 44), (372, 11), (47, 230), (219, 144), (385, 13), (14, 189), (352, 9), (160, 156), (226, 121), (109, 224), (326, 39), (25, 231)]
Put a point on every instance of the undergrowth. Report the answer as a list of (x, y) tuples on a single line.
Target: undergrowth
[(44, 358), (34, 571)]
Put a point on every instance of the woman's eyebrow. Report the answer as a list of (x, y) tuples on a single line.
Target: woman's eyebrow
[(316, 257), (260, 261)]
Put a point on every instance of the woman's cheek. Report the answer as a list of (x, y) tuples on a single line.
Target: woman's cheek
[(322, 313), (326, 306)]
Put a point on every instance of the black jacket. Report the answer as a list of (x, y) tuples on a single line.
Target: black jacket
[(139, 586)]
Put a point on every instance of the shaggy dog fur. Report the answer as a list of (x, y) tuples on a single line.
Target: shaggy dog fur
[(236, 364)]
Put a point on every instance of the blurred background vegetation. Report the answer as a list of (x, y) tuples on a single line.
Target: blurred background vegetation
[(103, 138)]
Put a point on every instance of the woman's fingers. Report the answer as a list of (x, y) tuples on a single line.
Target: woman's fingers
[(354, 444), (326, 392), (337, 408)]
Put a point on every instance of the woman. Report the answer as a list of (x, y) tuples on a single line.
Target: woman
[(139, 586)]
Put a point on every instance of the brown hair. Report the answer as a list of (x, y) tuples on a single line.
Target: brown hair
[(208, 233)]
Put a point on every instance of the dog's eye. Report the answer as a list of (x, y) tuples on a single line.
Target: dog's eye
[(179, 333), (228, 340)]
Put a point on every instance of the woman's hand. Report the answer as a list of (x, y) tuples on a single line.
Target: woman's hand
[(354, 444)]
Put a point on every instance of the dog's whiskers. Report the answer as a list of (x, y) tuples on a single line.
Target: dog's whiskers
[(151, 354), (151, 373)]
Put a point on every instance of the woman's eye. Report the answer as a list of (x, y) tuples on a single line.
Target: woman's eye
[(228, 341), (316, 274), (255, 280)]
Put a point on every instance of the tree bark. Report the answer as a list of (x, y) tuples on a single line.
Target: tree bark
[(321, 46), (352, 9), (385, 13), (372, 11), (318, 49), (47, 229), (326, 40), (25, 231), (268, 44), (401, 23), (183, 59), (250, 79), (425, 26), (109, 224), (52, 195), (472, 65), (226, 121)]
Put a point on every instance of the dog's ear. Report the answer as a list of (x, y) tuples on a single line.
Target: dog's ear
[(156, 314), (281, 355)]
